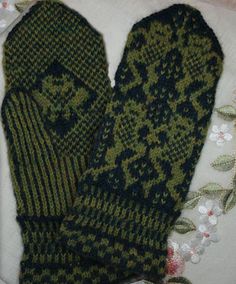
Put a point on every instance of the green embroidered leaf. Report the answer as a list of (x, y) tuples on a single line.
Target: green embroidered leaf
[(228, 112), (21, 6), (229, 200), (224, 163), (184, 225), (192, 199), (234, 182), (179, 280), (212, 189)]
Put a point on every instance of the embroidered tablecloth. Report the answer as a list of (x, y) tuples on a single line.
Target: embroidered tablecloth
[(202, 249)]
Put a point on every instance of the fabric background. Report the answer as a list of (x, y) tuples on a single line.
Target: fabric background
[(230, 4), (114, 20)]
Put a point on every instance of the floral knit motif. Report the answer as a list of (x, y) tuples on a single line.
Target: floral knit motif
[(147, 148)]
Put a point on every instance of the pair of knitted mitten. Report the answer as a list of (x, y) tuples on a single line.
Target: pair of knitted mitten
[(150, 141), (57, 89), (116, 193)]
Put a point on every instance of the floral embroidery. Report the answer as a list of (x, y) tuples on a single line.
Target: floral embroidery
[(216, 200), (207, 234), (220, 134), (192, 251), (6, 5), (175, 262), (210, 212)]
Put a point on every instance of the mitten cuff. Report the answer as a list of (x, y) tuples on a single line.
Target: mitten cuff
[(46, 260), (40, 245), (119, 232)]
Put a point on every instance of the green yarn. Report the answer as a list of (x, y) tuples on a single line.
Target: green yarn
[(120, 195), (57, 89), (150, 141)]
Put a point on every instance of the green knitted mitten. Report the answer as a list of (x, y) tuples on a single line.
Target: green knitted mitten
[(57, 89), (149, 144)]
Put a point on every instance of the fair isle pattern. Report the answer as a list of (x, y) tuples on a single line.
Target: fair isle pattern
[(149, 143), (57, 89)]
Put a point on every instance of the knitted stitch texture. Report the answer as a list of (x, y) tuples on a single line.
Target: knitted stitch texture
[(57, 89), (149, 143)]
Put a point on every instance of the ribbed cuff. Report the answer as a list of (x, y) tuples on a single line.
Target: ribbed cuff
[(39, 236), (47, 260), (119, 232)]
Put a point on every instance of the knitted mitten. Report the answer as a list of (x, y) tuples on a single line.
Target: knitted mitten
[(57, 89), (149, 144)]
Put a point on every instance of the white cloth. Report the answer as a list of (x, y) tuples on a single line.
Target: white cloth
[(114, 20)]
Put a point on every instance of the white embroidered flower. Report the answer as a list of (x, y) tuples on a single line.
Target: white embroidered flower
[(6, 5), (210, 212), (3, 24), (220, 134), (175, 263), (173, 244), (192, 251), (207, 235)]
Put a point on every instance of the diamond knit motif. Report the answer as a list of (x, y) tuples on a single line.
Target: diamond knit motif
[(57, 89), (64, 100)]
